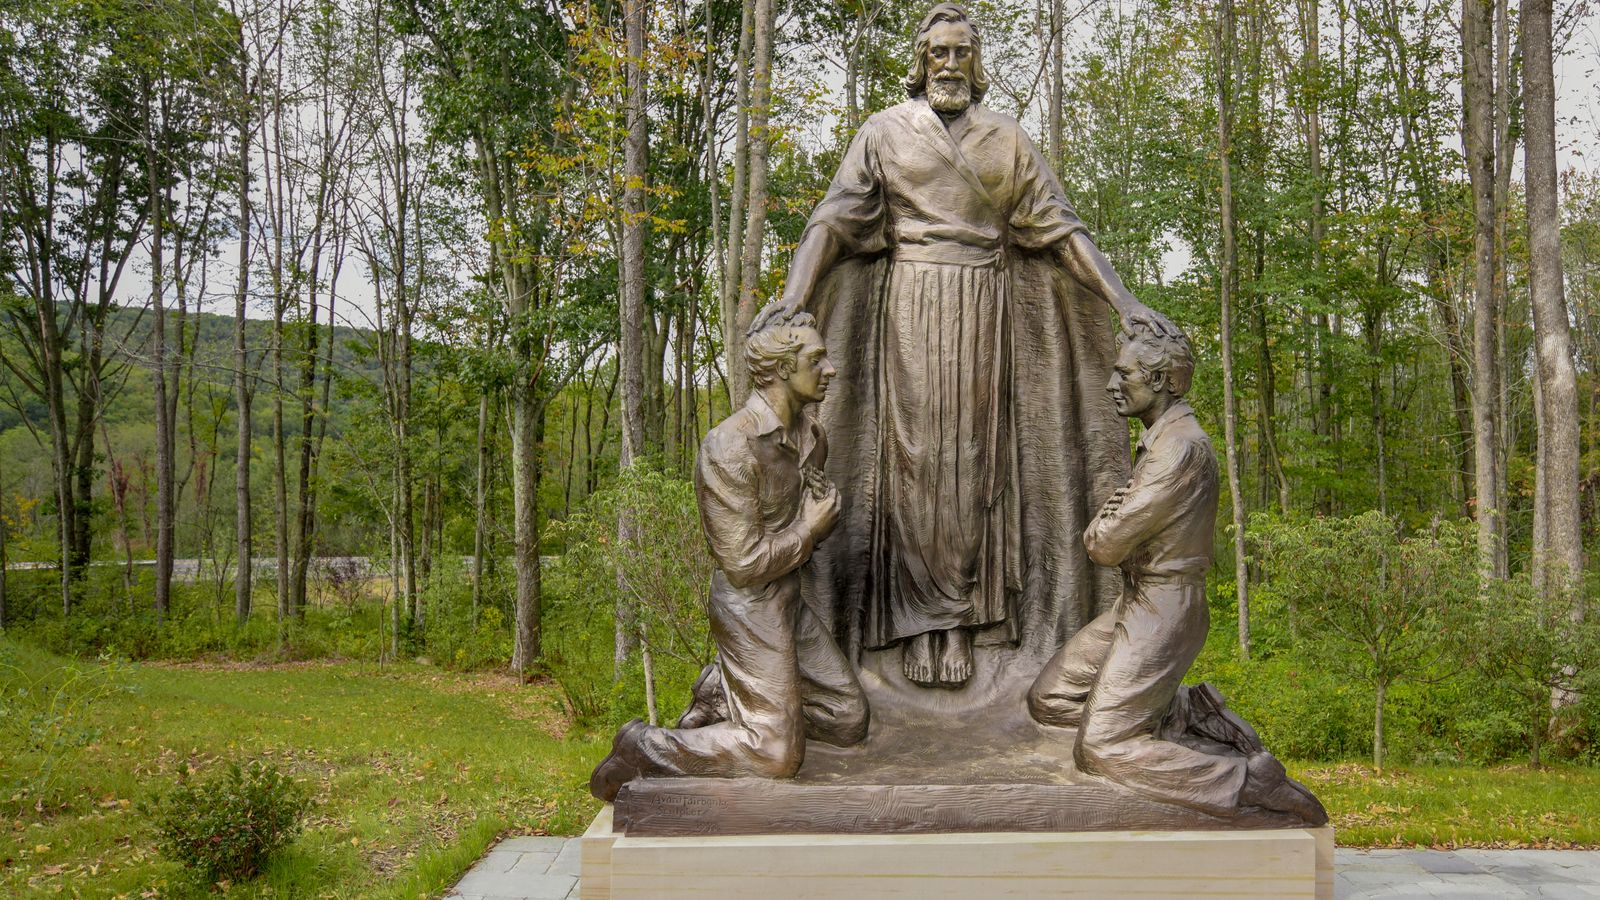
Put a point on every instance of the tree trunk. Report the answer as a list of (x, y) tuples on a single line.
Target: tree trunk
[(245, 569), (633, 316), (1559, 448), (89, 412), (1226, 282), (1477, 31), (756, 207), (403, 460), (1539, 555), (480, 505), (1057, 85), (396, 598), (1318, 363), (719, 244), (657, 335), (280, 473), (1505, 145), (304, 496), (165, 469), (525, 470), (649, 679), (1374, 335), (1461, 395), (1272, 474), (852, 70), (732, 276), (1381, 695), (308, 514)]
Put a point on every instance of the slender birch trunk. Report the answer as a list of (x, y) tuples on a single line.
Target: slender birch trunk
[(1226, 283), (1561, 556), (1478, 142), (165, 469), (632, 345), (244, 570), (732, 275), (756, 209)]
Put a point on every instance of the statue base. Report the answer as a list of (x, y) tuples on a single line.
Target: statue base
[(1281, 863), (954, 794), (997, 771)]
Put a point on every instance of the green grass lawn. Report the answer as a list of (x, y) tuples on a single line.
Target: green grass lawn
[(415, 771), (1557, 807)]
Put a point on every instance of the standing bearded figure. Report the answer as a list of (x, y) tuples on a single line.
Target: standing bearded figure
[(972, 435)]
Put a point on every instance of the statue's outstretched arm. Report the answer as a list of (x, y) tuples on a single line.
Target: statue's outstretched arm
[(1085, 262), (819, 249)]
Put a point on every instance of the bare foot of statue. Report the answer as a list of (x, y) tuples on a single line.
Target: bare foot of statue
[(955, 662), (916, 658)]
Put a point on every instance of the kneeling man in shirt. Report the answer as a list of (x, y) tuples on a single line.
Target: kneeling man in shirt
[(1118, 679)]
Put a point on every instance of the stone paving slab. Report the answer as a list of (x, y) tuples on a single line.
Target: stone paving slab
[(533, 867), (1466, 874)]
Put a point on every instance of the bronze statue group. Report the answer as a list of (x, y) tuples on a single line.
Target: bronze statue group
[(981, 489)]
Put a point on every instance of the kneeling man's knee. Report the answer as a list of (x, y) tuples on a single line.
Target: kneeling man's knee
[(774, 755), (1099, 753), (1049, 708)]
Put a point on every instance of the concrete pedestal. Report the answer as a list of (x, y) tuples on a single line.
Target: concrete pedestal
[(1285, 863)]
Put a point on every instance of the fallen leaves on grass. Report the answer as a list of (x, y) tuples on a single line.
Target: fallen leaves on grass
[(1357, 774)]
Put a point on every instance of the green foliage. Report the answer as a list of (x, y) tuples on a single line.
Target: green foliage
[(46, 712), (578, 637), (1529, 644), (1368, 603), (200, 624), (1300, 710), (224, 825), (657, 571), (1365, 600), (455, 638)]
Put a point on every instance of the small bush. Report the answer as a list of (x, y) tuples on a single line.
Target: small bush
[(1300, 710), (225, 826)]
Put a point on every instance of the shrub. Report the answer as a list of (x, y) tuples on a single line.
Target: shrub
[(1299, 709), (1370, 603), (455, 638), (224, 826), (1532, 644), (578, 645)]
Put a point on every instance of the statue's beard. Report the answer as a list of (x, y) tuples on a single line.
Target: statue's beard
[(950, 94)]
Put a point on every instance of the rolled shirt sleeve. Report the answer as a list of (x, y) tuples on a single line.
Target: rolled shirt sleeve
[(730, 515), (1157, 494)]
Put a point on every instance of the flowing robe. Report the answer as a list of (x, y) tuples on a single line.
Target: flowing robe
[(972, 418)]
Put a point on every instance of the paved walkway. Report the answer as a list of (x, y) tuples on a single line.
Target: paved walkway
[(546, 868), (523, 868), (1466, 874)]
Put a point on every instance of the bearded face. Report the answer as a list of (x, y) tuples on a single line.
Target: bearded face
[(951, 61), (949, 92)]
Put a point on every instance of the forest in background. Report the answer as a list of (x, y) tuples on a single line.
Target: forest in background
[(452, 288)]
